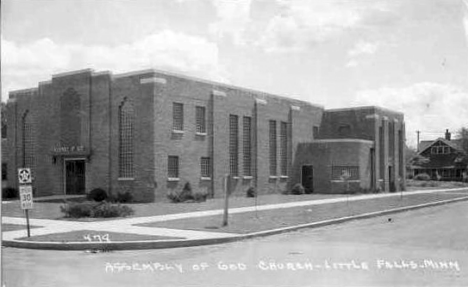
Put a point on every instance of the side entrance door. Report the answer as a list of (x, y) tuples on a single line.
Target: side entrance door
[(75, 177), (308, 178)]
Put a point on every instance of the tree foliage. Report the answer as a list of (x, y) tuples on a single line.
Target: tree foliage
[(4, 120), (412, 158), (462, 135)]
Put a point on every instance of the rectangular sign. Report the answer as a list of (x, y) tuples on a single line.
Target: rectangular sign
[(24, 175), (26, 196), (65, 150)]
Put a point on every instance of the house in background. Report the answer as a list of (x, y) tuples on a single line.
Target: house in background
[(445, 159)]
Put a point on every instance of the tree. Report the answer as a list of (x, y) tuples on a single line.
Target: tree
[(413, 159), (4, 121), (462, 135)]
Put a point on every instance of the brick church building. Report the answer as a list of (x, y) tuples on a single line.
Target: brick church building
[(149, 132)]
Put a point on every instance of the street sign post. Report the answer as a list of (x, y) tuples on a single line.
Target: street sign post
[(24, 176), (26, 195)]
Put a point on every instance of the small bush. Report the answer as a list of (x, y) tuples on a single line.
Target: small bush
[(182, 196), (91, 209), (77, 209), (297, 189), (97, 194), (422, 176), (187, 195), (200, 196), (173, 196), (9, 193), (123, 197), (251, 192), (111, 210)]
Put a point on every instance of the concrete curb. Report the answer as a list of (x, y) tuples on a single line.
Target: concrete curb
[(163, 244)]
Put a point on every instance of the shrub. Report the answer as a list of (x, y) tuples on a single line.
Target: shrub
[(111, 210), (251, 192), (187, 195), (91, 209), (77, 209), (308, 190), (200, 196), (122, 197), (173, 196), (9, 193), (97, 194), (297, 189), (422, 176)]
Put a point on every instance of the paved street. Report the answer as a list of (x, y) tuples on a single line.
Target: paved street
[(427, 247)]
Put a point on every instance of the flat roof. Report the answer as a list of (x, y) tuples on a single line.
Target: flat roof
[(173, 74), (363, 108)]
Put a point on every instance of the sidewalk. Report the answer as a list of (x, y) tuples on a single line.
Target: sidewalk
[(204, 227)]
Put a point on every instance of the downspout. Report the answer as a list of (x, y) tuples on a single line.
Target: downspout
[(109, 97), (212, 153)]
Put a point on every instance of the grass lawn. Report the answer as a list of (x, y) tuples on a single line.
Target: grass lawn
[(272, 219), (93, 236), (41, 210), (13, 227), (432, 184), (48, 210)]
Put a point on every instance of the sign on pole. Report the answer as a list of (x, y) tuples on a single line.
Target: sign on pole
[(26, 196), (24, 176)]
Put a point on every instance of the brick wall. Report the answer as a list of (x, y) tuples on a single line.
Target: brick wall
[(152, 95)]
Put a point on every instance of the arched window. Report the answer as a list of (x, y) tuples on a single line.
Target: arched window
[(126, 116), (28, 141)]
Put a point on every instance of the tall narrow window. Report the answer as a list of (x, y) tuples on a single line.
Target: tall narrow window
[(178, 117), (315, 132), (200, 118), (400, 153), (173, 166), (28, 142), (205, 167), (70, 118), (382, 152), (126, 115), (247, 146), (234, 145), (4, 171), (284, 148), (272, 140)]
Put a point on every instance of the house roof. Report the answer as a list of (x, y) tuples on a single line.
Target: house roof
[(455, 144)]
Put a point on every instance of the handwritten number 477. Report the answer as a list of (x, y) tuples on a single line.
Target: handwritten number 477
[(97, 237)]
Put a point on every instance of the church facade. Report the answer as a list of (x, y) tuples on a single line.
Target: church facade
[(150, 132)]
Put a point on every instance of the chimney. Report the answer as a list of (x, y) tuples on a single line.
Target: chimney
[(447, 135)]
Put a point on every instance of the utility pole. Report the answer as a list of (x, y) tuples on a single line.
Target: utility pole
[(417, 146)]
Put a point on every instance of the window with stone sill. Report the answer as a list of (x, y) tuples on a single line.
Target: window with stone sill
[(173, 167), (200, 119), (178, 117)]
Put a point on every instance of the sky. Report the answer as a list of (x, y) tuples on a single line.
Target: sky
[(407, 55)]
